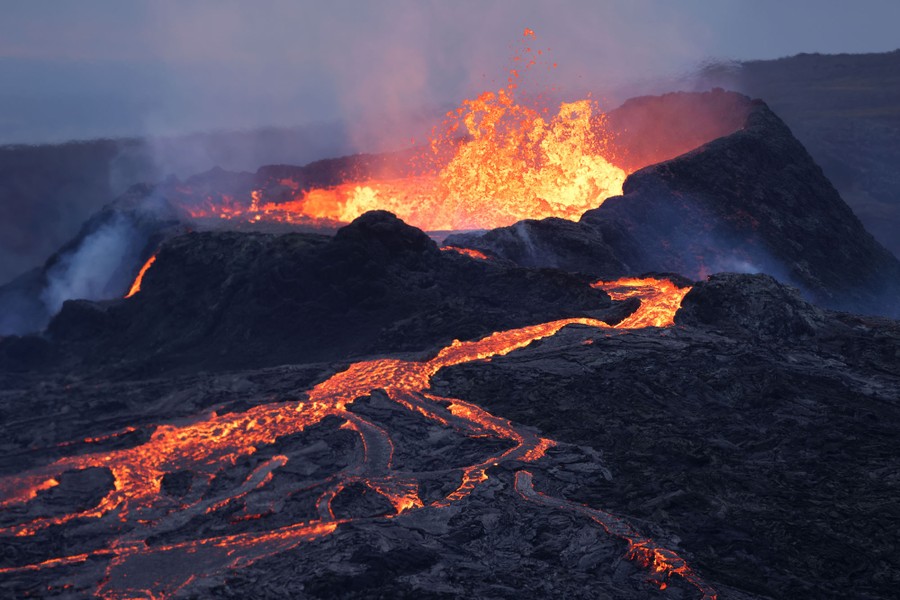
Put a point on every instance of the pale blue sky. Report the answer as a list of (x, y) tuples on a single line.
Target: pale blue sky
[(72, 69)]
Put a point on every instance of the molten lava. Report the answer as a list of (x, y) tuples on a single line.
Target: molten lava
[(136, 286), (498, 160), (209, 446), (660, 298), (471, 253), (662, 562)]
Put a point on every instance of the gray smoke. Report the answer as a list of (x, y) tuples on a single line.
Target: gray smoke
[(96, 269)]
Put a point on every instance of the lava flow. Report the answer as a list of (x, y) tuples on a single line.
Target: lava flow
[(136, 286), (497, 160), (471, 253), (135, 508), (660, 298)]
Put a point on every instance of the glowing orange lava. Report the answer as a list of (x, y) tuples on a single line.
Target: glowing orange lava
[(136, 286), (208, 445), (471, 253), (660, 298), (662, 562), (516, 161)]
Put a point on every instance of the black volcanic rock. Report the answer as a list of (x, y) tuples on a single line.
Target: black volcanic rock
[(751, 201), (769, 451), (228, 299), (556, 243), (378, 236), (752, 304), (843, 107), (98, 263)]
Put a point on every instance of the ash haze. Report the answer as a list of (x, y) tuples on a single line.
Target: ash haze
[(106, 68)]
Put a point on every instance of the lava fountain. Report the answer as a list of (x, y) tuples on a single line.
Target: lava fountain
[(499, 158)]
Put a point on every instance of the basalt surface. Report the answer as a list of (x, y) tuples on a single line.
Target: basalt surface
[(755, 439), (760, 432), (225, 300)]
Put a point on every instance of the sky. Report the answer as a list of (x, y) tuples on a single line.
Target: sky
[(92, 68)]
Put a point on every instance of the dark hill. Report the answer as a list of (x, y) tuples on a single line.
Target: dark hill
[(231, 300), (751, 201)]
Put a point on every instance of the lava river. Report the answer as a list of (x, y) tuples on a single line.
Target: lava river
[(135, 508)]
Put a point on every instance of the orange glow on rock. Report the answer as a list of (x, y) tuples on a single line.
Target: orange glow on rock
[(662, 562), (28, 492)]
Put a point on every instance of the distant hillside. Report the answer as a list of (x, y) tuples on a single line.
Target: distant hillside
[(845, 108), (48, 191)]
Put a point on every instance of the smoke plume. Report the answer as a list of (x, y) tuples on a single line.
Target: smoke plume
[(97, 269)]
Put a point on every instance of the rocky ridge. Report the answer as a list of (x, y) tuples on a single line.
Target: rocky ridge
[(752, 201)]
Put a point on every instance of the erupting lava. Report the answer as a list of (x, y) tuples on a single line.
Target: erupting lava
[(513, 162), (209, 446)]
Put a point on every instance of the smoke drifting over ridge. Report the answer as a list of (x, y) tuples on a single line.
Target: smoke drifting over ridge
[(175, 68), (357, 77)]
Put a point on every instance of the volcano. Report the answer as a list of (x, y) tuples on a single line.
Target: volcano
[(661, 361)]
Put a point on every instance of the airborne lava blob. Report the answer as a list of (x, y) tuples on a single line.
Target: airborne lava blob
[(135, 508)]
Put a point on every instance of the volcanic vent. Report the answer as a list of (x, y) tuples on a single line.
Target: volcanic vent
[(501, 157)]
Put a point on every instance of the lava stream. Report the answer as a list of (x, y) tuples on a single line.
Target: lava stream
[(660, 299), (498, 158), (136, 286), (135, 508), (663, 563)]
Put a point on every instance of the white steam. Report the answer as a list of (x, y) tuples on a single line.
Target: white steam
[(93, 270)]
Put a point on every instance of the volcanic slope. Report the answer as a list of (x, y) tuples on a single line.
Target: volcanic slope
[(219, 300), (752, 444), (751, 201)]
